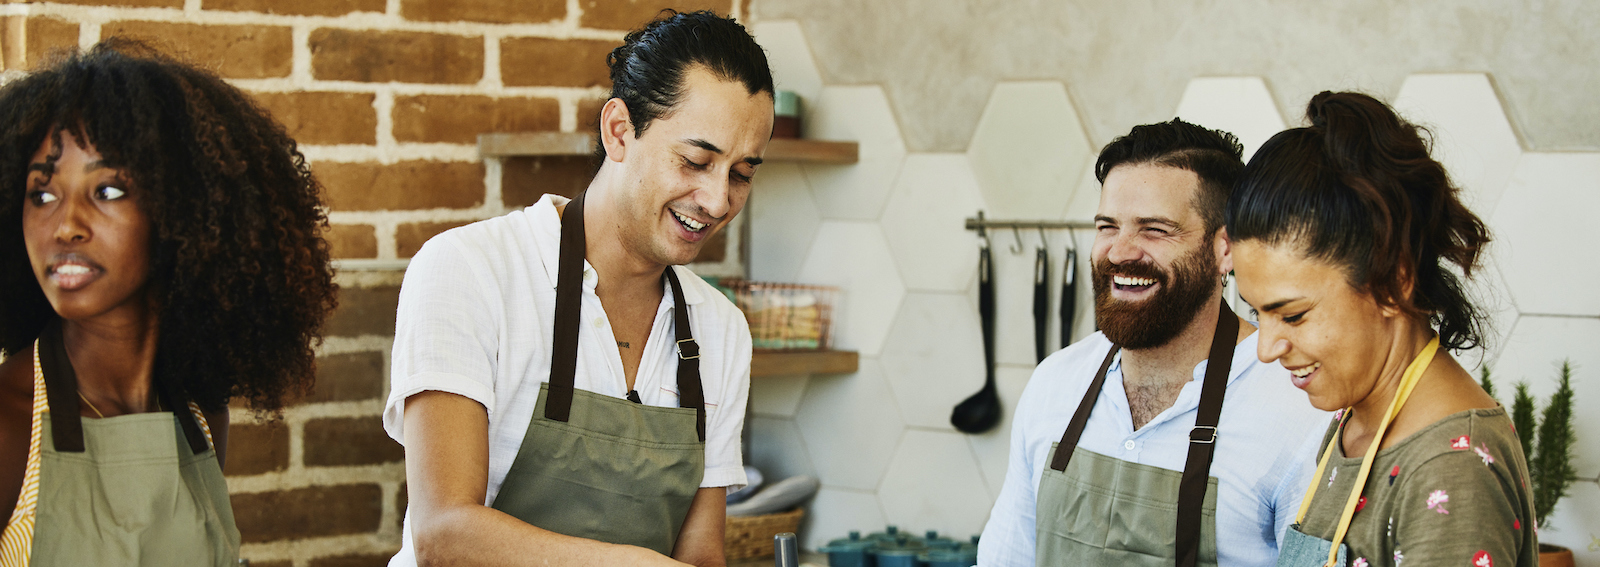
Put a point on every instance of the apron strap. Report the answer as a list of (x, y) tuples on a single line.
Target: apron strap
[(61, 390), (61, 395), (1069, 439), (690, 394), (1203, 438), (569, 305)]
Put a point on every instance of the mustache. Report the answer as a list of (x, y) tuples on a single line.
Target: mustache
[(1104, 269)]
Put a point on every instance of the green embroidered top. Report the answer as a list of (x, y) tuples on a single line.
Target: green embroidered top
[(1454, 493)]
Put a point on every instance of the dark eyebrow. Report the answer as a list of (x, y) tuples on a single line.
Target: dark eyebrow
[(710, 147), (1100, 218), (1270, 307), (47, 168), (93, 165), (1161, 220), (704, 145)]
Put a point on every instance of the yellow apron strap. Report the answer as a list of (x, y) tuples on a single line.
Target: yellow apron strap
[(1408, 382)]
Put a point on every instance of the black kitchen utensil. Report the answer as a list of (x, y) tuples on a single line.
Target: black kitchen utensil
[(981, 412), (1041, 301), (1069, 295)]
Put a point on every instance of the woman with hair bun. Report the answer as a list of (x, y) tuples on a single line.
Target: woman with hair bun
[(161, 253), (1346, 237)]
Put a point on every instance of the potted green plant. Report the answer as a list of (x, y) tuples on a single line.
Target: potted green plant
[(1547, 441)]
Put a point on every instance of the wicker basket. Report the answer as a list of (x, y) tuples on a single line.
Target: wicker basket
[(786, 316), (749, 537)]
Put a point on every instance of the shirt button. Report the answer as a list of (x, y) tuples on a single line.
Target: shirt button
[(599, 322), (1128, 445)]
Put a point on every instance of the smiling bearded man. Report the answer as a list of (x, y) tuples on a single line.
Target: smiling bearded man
[(567, 393), (1183, 449)]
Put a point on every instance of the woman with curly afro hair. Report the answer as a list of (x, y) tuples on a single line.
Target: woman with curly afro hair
[(161, 253)]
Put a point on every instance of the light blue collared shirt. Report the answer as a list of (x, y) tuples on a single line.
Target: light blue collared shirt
[(1266, 443)]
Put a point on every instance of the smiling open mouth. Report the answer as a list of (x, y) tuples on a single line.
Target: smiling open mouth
[(1127, 283), (689, 224)]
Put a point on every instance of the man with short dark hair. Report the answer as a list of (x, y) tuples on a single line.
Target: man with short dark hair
[(1160, 440), (566, 392)]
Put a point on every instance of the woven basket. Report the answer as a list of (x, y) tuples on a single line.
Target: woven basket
[(749, 537)]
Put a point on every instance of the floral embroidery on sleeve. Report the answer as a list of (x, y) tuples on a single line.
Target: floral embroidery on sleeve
[(1482, 559), (1461, 442), (1359, 562), (1394, 472), (1398, 557), (1436, 500), (1483, 452)]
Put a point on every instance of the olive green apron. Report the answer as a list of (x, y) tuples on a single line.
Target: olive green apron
[(604, 468), (1097, 510), (1300, 549), (139, 489)]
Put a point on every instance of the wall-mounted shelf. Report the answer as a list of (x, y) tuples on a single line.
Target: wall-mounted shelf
[(791, 362), (514, 144)]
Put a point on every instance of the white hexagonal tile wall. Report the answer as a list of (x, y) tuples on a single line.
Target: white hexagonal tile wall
[(777, 396), (783, 219), (993, 447), (1534, 352), (933, 357), (777, 450), (1028, 150), (850, 426), (1240, 105), (789, 56), (1471, 135), (1489, 293), (835, 511), (854, 256), (862, 114), (1548, 196), (1573, 525), (925, 218), (934, 484)]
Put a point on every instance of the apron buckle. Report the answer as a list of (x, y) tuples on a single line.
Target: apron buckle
[(688, 349), (1196, 435)]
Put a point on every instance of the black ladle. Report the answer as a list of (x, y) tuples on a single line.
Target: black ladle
[(981, 412)]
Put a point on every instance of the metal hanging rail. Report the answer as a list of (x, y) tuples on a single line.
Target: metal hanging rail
[(979, 223)]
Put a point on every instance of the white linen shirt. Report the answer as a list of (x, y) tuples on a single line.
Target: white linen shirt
[(476, 312), (1267, 438)]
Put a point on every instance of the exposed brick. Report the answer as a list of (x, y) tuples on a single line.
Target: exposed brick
[(408, 238), (324, 117), (715, 249), (491, 11), (633, 14), (459, 119), (536, 61), (345, 441), (316, 511), (589, 114), (134, 3), (352, 240), (364, 311), (29, 40), (524, 179), (348, 377), (244, 52), (404, 185), (353, 561), (399, 56), (255, 448), (297, 7)]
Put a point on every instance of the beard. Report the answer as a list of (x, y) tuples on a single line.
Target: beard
[(1157, 320)]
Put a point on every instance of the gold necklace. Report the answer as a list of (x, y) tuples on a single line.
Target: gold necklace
[(91, 405)]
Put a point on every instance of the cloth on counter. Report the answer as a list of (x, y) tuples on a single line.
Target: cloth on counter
[(1265, 454), (476, 310), (1454, 493)]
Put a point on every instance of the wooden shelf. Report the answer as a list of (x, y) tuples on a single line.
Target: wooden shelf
[(581, 144), (791, 362)]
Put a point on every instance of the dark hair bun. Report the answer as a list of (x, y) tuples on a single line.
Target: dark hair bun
[(1358, 188)]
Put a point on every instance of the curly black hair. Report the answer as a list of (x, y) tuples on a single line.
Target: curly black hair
[(238, 259)]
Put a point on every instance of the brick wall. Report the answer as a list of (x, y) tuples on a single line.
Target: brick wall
[(387, 98)]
